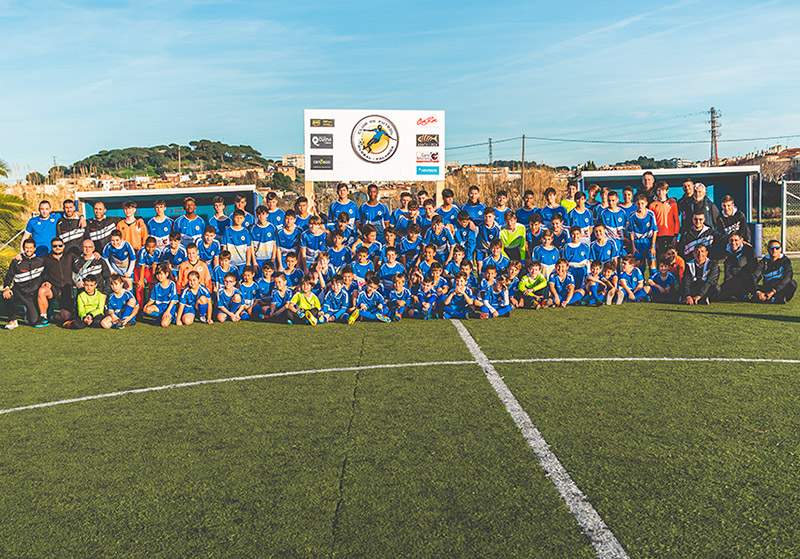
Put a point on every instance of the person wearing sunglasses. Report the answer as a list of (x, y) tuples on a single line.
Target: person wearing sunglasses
[(57, 284), (775, 269)]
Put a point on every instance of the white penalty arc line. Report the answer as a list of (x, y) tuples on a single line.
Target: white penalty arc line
[(229, 379), (600, 536)]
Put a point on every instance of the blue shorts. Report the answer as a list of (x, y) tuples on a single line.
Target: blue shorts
[(641, 251), (162, 308)]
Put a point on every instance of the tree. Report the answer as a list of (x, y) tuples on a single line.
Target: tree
[(35, 178), (11, 210), (589, 166), (3, 168), (280, 182)]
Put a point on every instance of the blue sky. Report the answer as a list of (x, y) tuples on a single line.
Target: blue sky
[(78, 77)]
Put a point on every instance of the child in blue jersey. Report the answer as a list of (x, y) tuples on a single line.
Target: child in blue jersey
[(288, 238), (146, 262), (427, 260), (628, 204), (441, 284), (279, 300), (249, 291), (562, 286), (122, 305), (551, 208), (459, 303), (428, 213), (362, 265), (160, 225), (424, 300), (603, 249), (663, 286), (389, 240), (501, 207), (615, 219), (496, 258), (496, 300), (369, 240), (343, 204), (389, 269), (340, 255), (229, 301), (323, 266), (121, 258), (263, 240), (337, 302), (374, 212), (239, 242), (631, 281), (512, 281), (412, 216), (195, 301), (313, 241), (454, 266), (533, 237), (264, 287), (472, 281), (240, 203), (487, 232), (448, 210), (163, 301), (293, 273), (577, 254), (218, 275), (350, 284), (399, 298), (441, 238), (342, 224), (488, 278), (210, 248), (546, 254), (371, 304), (318, 282), (592, 191), (581, 217), (642, 230), (219, 221), (410, 246), (189, 225), (593, 285), (560, 234), (474, 208), (302, 215), (275, 215), (402, 211), (465, 234), (175, 254)]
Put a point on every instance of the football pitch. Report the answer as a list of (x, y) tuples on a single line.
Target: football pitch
[(678, 425)]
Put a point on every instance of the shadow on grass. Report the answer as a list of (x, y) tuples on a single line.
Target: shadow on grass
[(774, 317)]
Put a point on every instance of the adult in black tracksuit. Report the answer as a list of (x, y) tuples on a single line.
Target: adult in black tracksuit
[(89, 263), (700, 279), (71, 228), (99, 228), (57, 282), (740, 265), (22, 281), (698, 234), (776, 270), (731, 220)]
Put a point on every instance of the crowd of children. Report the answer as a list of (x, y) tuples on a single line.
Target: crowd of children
[(368, 263)]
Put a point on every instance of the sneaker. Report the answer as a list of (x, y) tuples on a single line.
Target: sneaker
[(322, 320), (397, 315), (312, 320), (353, 317), (484, 315), (289, 322), (383, 318), (203, 319), (538, 306), (427, 316), (41, 323), (11, 325)]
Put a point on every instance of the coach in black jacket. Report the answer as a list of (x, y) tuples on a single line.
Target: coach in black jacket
[(776, 269), (701, 278), (22, 281), (740, 265)]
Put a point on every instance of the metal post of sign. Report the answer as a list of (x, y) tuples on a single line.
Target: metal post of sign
[(309, 190), (783, 215)]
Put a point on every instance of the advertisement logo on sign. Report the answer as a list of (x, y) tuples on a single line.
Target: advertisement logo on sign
[(427, 121), (374, 139), (321, 123), (322, 141), (321, 162), (427, 170), (427, 157), (427, 140)]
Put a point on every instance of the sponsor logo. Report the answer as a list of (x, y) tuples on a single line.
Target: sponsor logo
[(321, 162), (427, 140), (322, 141), (321, 123), (427, 157), (374, 139), (427, 121), (427, 170)]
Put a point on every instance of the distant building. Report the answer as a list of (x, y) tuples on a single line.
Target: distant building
[(297, 160), (287, 170)]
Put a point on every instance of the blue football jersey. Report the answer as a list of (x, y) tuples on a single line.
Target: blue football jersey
[(475, 212), (349, 207), (500, 263), (191, 230), (448, 216), (161, 295), (264, 239), (237, 241), (605, 252), (288, 241), (160, 230), (220, 224), (276, 217), (547, 214), (117, 304), (374, 215), (584, 220), (208, 253), (547, 256), (562, 285)]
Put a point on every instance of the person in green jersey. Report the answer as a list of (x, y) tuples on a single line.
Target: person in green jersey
[(532, 289)]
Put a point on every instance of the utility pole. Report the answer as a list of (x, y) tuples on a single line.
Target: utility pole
[(714, 160), (523, 166), (179, 162), (491, 164)]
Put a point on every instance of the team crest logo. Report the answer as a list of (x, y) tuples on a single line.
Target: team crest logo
[(374, 139)]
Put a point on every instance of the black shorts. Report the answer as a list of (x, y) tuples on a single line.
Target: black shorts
[(64, 296)]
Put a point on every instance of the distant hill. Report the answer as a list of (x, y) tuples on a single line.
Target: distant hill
[(650, 163), (198, 155)]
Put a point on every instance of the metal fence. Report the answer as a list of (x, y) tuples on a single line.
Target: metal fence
[(790, 216)]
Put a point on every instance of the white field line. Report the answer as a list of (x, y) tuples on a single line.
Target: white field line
[(230, 379), (600, 536), (671, 359)]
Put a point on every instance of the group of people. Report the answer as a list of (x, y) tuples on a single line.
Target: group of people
[(422, 260)]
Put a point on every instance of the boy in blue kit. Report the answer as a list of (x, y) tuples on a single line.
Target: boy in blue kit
[(323, 266), (239, 242), (581, 217), (488, 278), (224, 268), (288, 238), (160, 225), (279, 300), (472, 281), (389, 240), (374, 212), (562, 286), (219, 221), (496, 300), (454, 266), (512, 280), (464, 233), (594, 287), (313, 241), (603, 249), (642, 229), (399, 298), (264, 287), (410, 245), (189, 225), (210, 248), (405, 200), (122, 305), (614, 220), (342, 224), (146, 262), (501, 198), (121, 258), (240, 203), (628, 204), (527, 210), (459, 303), (425, 300), (163, 301), (275, 215), (343, 204), (369, 240), (411, 216), (293, 274), (577, 254), (302, 215), (560, 235), (389, 269), (631, 281), (249, 292), (337, 302), (441, 285), (363, 265), (371, 304), (533, 237), (551, 208), (195, 301), (350, 285), (448, 210), (441, 238), (496, 258), (263, 240), (474, 208), (428, 213), (229, 301), (546, 254), (663, 285), (487, 232), (175, 254), (340, 255)]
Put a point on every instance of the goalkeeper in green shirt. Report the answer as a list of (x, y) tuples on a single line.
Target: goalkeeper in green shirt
[(305, 306), (532, 289), (91, 306)]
